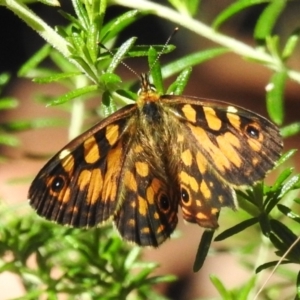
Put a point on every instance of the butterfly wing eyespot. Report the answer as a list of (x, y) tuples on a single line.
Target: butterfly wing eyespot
[(185, 197), (57, 184), (164, 202), (253, 131)]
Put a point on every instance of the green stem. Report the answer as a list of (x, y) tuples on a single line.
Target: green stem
[(200, 28)]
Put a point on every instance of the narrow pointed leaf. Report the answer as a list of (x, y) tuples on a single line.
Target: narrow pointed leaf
[(236, 229), (232, 9), (291, 44), (203, 249), (268, 18), (155, 70), (73, 94), (191, 60), (178, 86), (119, 56), (290, 130), (275, 93)]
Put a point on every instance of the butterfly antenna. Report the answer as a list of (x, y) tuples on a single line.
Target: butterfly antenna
[(122, 62), (144, 78), (164, 47)]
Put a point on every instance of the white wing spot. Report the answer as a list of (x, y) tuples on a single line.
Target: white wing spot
[(64, 153), (231, 109)]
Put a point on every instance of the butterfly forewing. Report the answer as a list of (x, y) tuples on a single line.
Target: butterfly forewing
[(238, 144), (78, 185)]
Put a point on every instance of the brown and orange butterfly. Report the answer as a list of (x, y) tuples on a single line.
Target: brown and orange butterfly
[(139, 164)]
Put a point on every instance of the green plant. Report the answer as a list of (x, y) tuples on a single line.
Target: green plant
[(86, 68)]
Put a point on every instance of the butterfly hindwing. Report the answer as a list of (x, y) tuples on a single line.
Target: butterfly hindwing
[(203, 191), (148, 211)]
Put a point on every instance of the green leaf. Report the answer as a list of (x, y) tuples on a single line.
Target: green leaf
[(192, 6), (50, 2), (9, 140), (289, 213), (143, 50), (4, 79), (92, 40), (15, 126), (155, 70), (225, 294), (264, 223), (284, 239), (290, 130), (286, 156), (293, 183), (77, 41), (177, 87), (81, 47), (269, 265), (232, 9), (132, 257), (191, 60), (34, 61), (203, 249), (73, 94), (273, 46), (110, 81), (298, 287), (290, 45), (281, 178), (55, 77), (139, 51), (85, 68), (236, 229), (8, 103), (244, 292), (108, 106), (71, 19), (275, 93), (268, 18), (81, 13), (119, 56), (112, 28), (62, 63)]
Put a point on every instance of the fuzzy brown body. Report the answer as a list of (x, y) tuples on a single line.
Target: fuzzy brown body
[(138, 165)]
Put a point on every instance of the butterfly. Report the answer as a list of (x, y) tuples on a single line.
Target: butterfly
[(137, 166)]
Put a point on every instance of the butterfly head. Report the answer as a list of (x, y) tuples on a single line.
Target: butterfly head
[(147, 92)]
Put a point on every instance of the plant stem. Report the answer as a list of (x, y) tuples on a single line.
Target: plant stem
[(200, 28)]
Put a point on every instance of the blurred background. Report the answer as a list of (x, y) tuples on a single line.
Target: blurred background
[(227, 77)]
